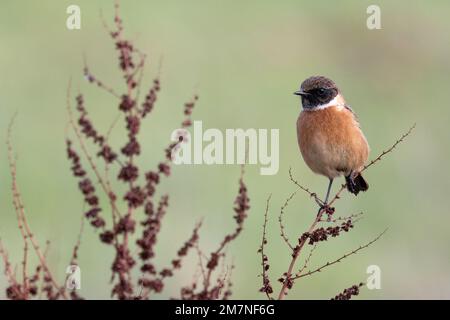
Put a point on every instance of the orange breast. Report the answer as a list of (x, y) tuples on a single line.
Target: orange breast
[(331, 141)]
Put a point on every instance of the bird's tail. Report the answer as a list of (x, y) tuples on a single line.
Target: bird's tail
[(356, 183)]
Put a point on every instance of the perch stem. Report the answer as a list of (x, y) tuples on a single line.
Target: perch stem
[(296, 254)]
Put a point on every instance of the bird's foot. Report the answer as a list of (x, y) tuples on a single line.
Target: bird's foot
[(325, 208)]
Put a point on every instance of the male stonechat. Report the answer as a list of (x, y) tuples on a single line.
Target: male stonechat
[(329, 135)]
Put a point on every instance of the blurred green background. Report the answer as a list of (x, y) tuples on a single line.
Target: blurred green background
[(244, 58)]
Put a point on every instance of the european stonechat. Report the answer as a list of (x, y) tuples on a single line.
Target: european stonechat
[(329, 135)]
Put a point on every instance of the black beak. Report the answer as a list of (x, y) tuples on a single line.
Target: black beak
[(301, 93)]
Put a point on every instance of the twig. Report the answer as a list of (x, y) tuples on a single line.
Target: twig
[(308, 258), (116, 213), (21, 214), (92, 79), (287, 283), (16, 205), (390, 149), (93, 166), (311, 194), (229, 284), (319, 269), (200, 262), (46, 250), (8, 270), (280, 219), (78, 243), (352, 216), (267, 288)]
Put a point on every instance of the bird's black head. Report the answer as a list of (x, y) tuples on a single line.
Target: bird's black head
[(317, 91)]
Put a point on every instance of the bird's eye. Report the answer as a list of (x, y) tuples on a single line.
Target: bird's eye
[(322, 90)]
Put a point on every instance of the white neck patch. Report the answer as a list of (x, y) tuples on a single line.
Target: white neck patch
[(337, 101)]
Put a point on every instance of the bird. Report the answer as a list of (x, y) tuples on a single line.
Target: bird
[(329, 135)]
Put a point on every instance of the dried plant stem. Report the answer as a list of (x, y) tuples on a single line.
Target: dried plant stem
[(93, 166), (356, 216), (390, 149), (23, 233), (308, 258), (263, 256), (9, 272), (319, 269), (41, 291), (280, 219), (140, 72), (91, 78), (115, 213), (78, 243), (295, 255), (24, 268), (20, 211), (311, 194), (200, 262)]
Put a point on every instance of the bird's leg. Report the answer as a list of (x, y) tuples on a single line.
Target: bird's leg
[(325, 202), (324, 205)]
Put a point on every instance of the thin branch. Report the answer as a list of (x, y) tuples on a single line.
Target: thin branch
[(280, 219), (93, 166), (346, 218), (319, 269), (308, 258), (93, 79), (390, 149), (24, 268), (200, 262), (21, 213), (229, 284), (9, 272), (12, 168), (287, 283), (78, 243), (41, 272), (267, 288), (311, 194), (116, 213)]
